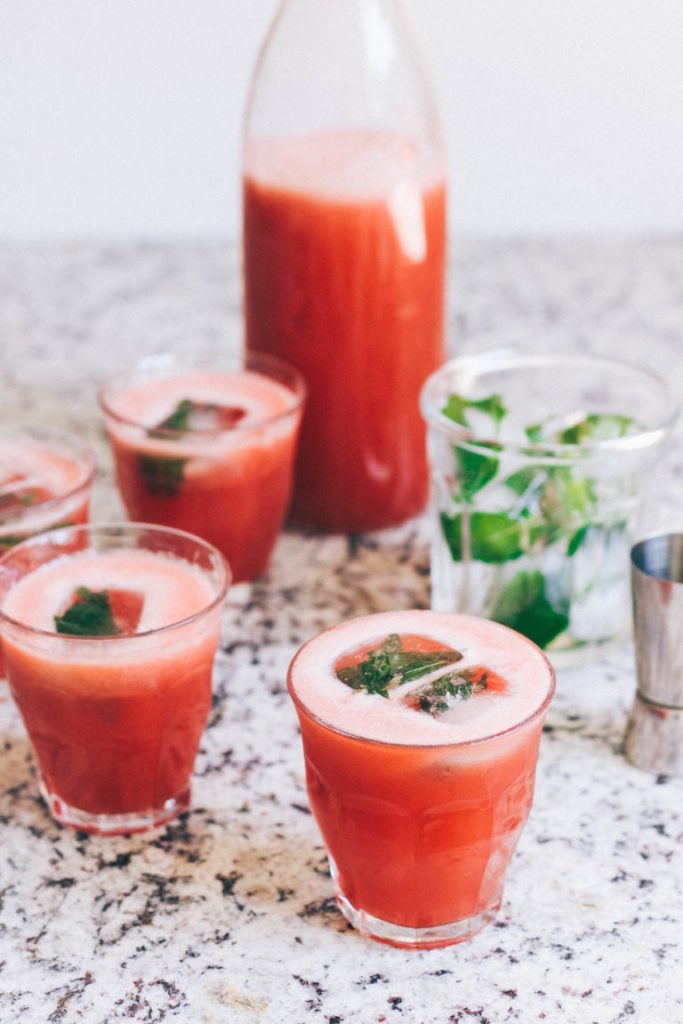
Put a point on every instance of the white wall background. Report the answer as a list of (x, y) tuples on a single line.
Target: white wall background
[(122, 117)]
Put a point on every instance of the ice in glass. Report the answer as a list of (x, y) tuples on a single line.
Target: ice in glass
[(420, 732), (208, 449), (109, 635)]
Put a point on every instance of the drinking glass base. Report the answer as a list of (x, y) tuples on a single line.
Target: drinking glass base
[(414, 938), (115, 824)]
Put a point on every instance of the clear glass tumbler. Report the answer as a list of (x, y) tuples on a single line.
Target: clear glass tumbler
[(109, 635), (420, 787), (208, 447), (539, 467)]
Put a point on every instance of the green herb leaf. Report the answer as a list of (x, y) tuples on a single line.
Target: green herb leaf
[(443, 693), (566, 500), (528, 480), (524, 605), (456, 408), (10, 539), (597, 427), (494, 536), (475, 470), (89, 615), (553, 498), (577, 539), (13, 501), (189, 415), (534, 432), (162, 477), (389, 665), (178, 420)]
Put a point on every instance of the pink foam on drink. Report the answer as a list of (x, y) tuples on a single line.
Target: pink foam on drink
[(26, 463), (150, 402), (173, 589), (482, 643), (342, 165)]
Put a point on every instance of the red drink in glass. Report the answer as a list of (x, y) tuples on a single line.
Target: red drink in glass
[(421, 793), (115, 720), (223, 472), (45, 481), (344, 248)]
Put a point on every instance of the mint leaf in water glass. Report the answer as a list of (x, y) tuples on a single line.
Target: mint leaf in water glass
[(581, 428), (493, 536), (457, 405), (475, 470), (597, 427)]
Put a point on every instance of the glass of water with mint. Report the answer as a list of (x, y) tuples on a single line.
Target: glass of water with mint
[(539, 467)]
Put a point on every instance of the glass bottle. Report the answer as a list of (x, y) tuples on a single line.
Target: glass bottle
[(344, 207)]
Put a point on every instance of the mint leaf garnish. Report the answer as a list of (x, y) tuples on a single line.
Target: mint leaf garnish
[(89, 615), (475, 470), (162, 477), (178, 420), (10, 540), (597, 427), (189, 415), (577, 539), (389, 665), (524, 605), (553, 505), (456, 408), (443, 693), (493, 536), (582, 428), (18, 498)]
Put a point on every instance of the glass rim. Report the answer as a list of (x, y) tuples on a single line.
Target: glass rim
[(116, 529), (166, 362), (503, 359), (84, 450), (446, 745)]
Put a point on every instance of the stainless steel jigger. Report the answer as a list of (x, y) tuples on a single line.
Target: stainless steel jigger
[(654, 735)]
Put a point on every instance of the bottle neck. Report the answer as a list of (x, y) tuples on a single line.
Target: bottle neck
[(341, 64)]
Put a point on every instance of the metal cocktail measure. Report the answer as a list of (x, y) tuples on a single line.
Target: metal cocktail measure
[(654, 735)]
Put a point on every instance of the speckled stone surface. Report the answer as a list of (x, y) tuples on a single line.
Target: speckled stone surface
[(228, 914)]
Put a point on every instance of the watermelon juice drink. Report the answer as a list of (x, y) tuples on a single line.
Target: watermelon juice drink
[(420, 732), (45, 481), (344, 250), (208, 449), (109, 636)]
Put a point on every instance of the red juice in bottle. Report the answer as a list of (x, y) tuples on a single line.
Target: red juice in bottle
[(344, 249)]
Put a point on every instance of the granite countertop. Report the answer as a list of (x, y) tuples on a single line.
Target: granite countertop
[(227, 915)]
